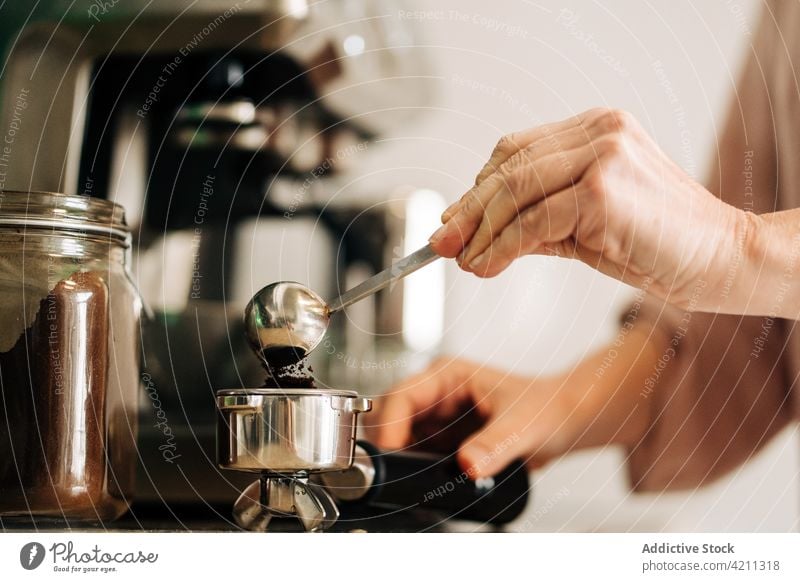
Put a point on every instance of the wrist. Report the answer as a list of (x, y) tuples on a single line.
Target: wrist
[(728, 267), (768, 282)]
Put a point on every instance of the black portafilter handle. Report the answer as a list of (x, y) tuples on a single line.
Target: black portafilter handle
[(405, 480)]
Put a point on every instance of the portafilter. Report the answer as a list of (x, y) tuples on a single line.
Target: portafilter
[(287, 435)]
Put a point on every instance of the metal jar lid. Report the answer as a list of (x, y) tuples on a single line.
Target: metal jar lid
[(63, 212)]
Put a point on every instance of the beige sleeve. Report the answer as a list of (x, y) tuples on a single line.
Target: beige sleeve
[(718, 393), (721, 387)]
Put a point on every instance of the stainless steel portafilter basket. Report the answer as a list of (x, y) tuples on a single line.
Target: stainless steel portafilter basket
[(297, 431)]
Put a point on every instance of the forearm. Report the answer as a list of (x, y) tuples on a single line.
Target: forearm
[(615, 408)]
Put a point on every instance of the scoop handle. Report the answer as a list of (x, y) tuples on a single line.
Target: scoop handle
[(397, 271)]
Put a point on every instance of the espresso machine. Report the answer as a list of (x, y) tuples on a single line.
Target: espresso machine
[(228, 129)]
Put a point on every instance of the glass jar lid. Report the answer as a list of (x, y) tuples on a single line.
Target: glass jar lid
[(80, 214)]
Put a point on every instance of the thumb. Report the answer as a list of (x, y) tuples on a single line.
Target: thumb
[(491, 449)]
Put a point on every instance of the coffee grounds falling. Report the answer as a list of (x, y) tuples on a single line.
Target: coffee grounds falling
[(287, 368)]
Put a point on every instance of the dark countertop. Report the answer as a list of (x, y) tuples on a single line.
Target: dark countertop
[(152, 518)]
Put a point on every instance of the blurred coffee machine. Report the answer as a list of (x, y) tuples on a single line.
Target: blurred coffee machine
[(227, 130)]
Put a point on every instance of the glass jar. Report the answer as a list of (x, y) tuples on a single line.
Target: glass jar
[(69, 358)]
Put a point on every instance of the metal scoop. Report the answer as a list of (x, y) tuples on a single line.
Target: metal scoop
[(284, 321)]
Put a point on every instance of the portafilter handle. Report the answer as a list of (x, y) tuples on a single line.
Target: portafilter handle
[(405, 480)]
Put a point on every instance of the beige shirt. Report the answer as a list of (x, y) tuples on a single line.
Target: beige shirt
[(730, 384)]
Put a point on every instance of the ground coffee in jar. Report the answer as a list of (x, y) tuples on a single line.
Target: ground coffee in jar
[(69, 366)]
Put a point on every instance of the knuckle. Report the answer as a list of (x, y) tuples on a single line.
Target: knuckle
[(594, 114), (466, 198), (613, 145), (536, 226), (529, 220), (624, 120), (487, 169), (506, 145), (471, 206), (518, 161), (518, 183), (594, 186), (616, 121)]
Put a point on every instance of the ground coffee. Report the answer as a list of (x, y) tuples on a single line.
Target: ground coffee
[(287, 368), (59, 411)]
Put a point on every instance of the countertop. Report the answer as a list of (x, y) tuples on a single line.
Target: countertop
[(153, 518)]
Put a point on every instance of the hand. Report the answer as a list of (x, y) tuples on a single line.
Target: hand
[(597, 188), (532, 419)]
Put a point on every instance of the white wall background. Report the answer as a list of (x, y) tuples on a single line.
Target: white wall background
[(503, 66)]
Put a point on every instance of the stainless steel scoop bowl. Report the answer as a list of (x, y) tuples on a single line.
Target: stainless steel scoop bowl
[(286, 320), (285, 316)]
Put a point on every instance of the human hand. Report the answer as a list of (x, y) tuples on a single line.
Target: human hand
[(597, 188), (522, 417)]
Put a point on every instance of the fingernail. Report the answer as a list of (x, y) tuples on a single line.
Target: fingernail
[(438, 235), (477, 260)]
